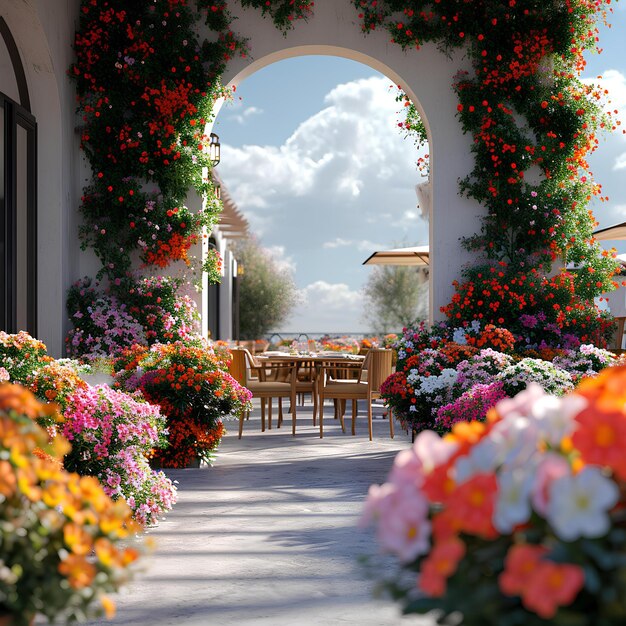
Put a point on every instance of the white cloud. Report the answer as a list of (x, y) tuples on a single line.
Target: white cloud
[(337, 243), (410, 215), (362, 245), (326, 307), (619, 210), (620, 162), (246, 114), (351, 150)]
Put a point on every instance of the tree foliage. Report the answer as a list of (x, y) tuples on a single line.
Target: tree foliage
[(395, 296), (267, 292)]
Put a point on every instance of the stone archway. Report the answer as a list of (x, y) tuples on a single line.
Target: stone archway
[(426, 76)]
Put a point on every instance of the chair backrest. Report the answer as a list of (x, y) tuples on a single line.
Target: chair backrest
[(363, 372), (250, 361), (237, 367), (247, 344), (379, 364)]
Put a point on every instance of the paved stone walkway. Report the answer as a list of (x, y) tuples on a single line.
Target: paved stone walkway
[(267, 535)]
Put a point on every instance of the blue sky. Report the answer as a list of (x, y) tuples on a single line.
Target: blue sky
[(312, 155)]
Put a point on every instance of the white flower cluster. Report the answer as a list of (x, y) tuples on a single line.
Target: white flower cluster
[(428, 385)]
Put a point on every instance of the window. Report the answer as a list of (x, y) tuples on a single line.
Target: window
[(213, 309), (18, 225)]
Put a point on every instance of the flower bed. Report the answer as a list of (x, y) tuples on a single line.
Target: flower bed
[(526, 510), (153, 310), (443, 377), (111, 432), (189, 382)]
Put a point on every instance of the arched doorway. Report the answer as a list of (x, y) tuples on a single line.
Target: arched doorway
[(314, 158), (426, 76)]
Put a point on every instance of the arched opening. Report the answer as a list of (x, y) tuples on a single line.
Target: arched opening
[(427, 77), (316, 162)]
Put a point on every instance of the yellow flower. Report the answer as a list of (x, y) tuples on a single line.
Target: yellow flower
[(109, 606), (91, 492), (27, 483), (59, 447), (20, 453), (107, 553), (77, 539), (54, 494)]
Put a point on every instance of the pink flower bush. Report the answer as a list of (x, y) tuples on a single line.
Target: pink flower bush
[(112, 433), (586, 360), (472, 405)]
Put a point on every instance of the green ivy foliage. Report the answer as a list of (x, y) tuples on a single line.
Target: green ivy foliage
[(533, 122), (146, 85), (282, 12)]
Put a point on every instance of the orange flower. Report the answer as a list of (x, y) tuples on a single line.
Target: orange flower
[(601, 433), (519, 567), (438, 485), (91, 491), (78, 571), (443, 526), (552, 585), (77, 539), (8, 481), (109, 606), (439, 565), (601, 439), (54, 494), (106, 552), (471, 505), (466, 434), (17, 398)]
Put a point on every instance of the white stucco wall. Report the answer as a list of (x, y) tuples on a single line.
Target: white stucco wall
[(43, 31), (427, 77)]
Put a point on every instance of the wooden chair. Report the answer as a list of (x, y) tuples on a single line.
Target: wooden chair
[(345, 371), (375, 370), (306, 382), (237, 369), (272, 380)]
